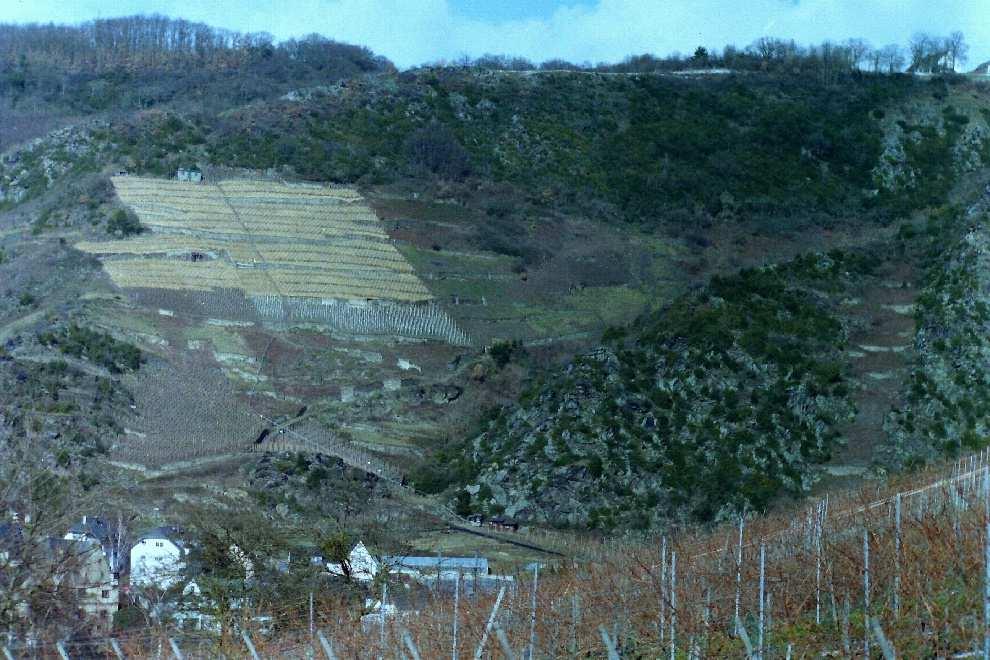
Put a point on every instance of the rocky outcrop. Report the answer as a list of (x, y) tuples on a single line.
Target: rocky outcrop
[(293, 484), (915, 133), (720, 403), (32, 168), (948, 395)]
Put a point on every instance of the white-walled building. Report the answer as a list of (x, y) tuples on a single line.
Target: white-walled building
[(361, 565), (158, 558)]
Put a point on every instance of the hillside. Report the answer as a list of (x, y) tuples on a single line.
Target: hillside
[(595, 301), (713, 404), (752, 389), (524, 221)]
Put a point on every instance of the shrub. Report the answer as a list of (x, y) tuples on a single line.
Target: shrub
[(502, 352), (124, 223), (98, 347), (436, 149)]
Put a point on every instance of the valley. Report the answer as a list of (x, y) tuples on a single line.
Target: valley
[(557, 318)]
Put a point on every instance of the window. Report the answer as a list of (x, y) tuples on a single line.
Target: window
[(105, 593), (159, 544)]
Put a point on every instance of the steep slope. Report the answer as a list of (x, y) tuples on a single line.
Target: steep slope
[(647, 148), (948, 392), (717, 403), (658, 432), (880, 354), (536, 210)]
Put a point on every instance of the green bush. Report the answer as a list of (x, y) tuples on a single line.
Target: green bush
[(98, 347), (502, 352), (756, 384), (124, 223), (653, 149)]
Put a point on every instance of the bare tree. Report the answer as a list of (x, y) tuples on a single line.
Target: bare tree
[(859, 51), (39, 585), (765, 48), (832, 60), (957, 49), (929, 54), (892, 58)]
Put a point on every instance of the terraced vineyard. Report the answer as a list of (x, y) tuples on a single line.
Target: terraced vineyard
[(296, 252)]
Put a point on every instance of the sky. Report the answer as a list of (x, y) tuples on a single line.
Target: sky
[(412, 32)]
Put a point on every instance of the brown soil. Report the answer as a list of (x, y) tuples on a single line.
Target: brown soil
[(880, 350)]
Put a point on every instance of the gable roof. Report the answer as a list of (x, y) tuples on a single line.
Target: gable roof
[(163, 533), (93, 526)]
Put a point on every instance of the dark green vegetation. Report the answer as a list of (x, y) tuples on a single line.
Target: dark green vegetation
[(100, 348), (123, 223), (653, 148), (719, 403), (540, 207)]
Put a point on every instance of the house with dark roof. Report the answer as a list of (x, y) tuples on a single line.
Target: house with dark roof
[(88, 572), (158, 558), (110, 537)]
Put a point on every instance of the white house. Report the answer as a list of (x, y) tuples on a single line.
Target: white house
[(360, 565), (193, 176), (158, 558)]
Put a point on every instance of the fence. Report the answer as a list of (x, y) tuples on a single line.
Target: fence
[(901, 572)]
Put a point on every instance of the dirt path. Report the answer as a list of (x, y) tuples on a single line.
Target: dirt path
[(880, 351)]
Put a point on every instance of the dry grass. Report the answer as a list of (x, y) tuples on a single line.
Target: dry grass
[(622, 586), (300, 241), (814, 565)]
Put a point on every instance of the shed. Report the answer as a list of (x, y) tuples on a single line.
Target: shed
[(193, 176), (413, 565)]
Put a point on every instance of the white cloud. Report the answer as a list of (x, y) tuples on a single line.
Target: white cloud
[(416, 31)]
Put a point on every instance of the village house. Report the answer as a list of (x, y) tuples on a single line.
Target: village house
[(98, 560), (197, 611), (76, 569), (360, 565), (88, 574), (192, 176), (158, 559), (473, 574), (110, 538)]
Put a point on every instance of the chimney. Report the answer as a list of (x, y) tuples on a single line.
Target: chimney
[(84, 519)]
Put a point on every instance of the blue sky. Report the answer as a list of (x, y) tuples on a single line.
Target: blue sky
[(412, 32)]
